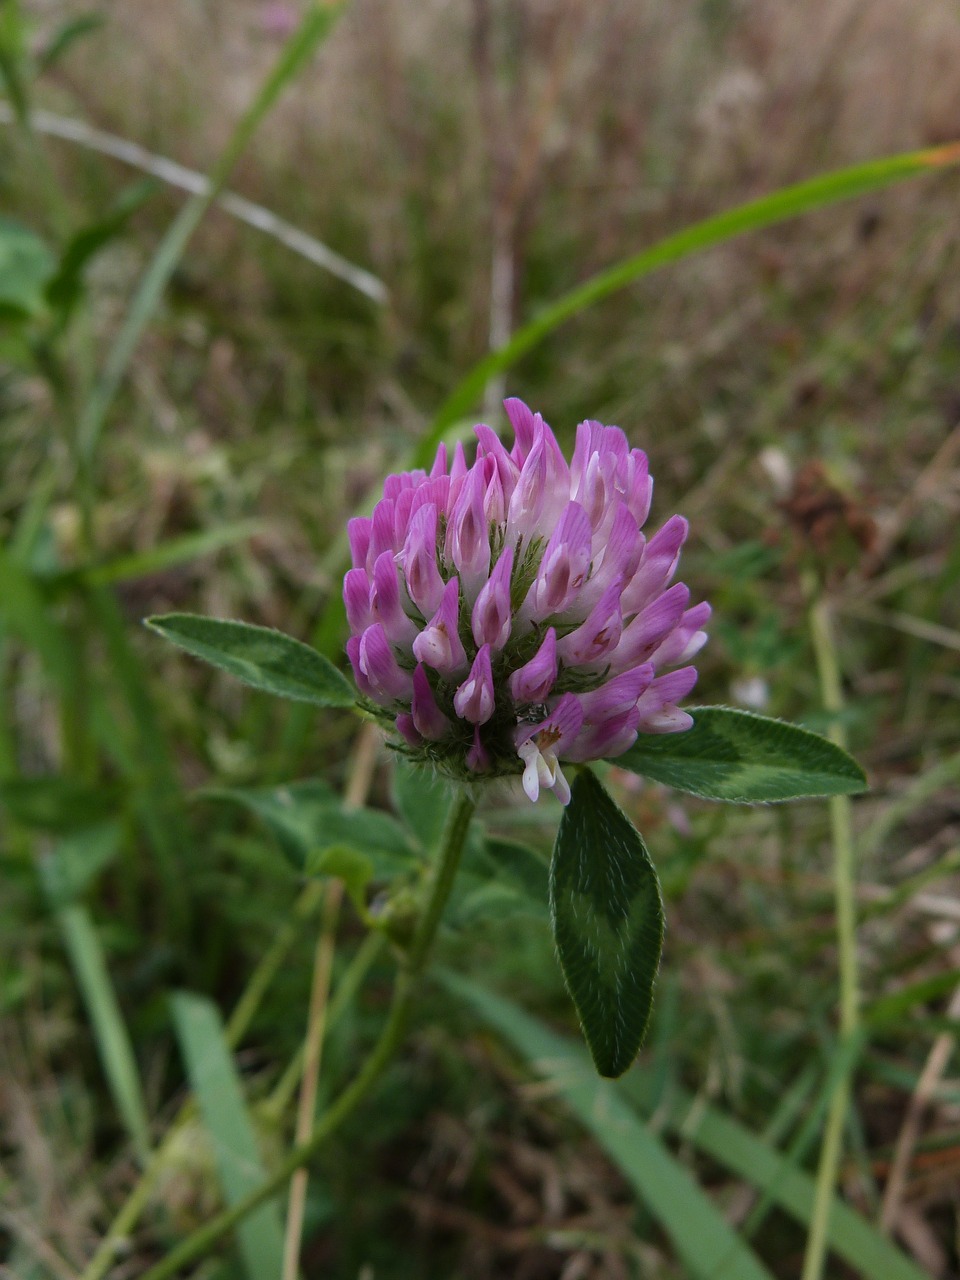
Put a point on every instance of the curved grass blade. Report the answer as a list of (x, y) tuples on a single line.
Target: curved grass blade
[(767, 211), (177, 175), (212, 1074), (315, 26), (607, 1111), (112, 1037), (704, 1242), (735, 1147), (166, 555)]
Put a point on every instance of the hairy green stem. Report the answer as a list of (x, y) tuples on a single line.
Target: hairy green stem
[(451, 849), (841, 830)]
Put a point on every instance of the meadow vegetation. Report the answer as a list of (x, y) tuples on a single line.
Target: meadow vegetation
[(798, 392)]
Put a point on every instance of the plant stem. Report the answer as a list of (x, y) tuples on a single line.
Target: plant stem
[(451, 848), (841, 830), (281, 1097), (361, 776), (306, 1111), (272, 962)]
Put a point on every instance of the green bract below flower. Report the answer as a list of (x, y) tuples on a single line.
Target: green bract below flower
[(511, 616)]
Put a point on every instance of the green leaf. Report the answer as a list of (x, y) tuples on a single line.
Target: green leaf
[(520, 866), (166, 555), (744, 758), (767, 211), (607, 923), (26, 264), (704, 1242), (345, 863), (78, 859), (259, 656), (66, 35), (307, 816), (64, 290), (58, 804), (212, 1074), (477, 899), (112, 1038), (291, 812), (422, 800)]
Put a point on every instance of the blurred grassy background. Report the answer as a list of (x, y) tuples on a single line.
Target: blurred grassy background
[(798, 393)]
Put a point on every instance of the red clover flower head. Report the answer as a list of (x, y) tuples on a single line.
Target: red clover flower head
[(511, 616)]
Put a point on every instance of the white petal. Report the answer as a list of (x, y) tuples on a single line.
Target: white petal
[(531, 774), (561, 788)]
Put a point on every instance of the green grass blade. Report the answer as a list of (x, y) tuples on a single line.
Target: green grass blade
[(113, 1040), (727, 1141), (704, 1241), (767, 211), (23, 608), (167, 555), (151, 772), (748, 1156), (318, 21), (892, 1008), (214, 1080)]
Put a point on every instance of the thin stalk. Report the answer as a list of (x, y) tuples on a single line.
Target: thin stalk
[(271, 963), (361, 776), (200, 1242), (841, 830), (254, 215), (313, 1054), (278, 1103), (451, 847)]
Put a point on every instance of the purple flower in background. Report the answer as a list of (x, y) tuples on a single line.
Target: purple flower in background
[(511, 616), (279, 19)]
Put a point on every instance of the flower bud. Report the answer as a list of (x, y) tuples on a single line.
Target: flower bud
[(535, 679), (438, 645), (490, 620), (474, 700)]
